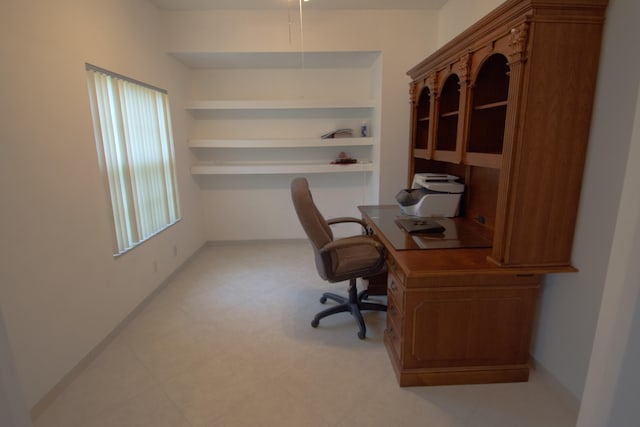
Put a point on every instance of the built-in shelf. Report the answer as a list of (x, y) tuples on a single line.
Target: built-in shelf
[(449, 114), (420, 153), (292, 104), (274, 168), (263, 162), (250, 120), (489, 160), (280, 143), (490, 105)]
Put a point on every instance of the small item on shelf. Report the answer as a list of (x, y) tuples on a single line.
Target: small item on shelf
[(343, 159), (338, 133), (363, 130)]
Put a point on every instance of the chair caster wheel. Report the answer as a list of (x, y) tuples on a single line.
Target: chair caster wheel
[(323, 300), (361, 334), (315, 323)]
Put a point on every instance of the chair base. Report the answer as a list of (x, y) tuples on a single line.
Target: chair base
[(353, 304)]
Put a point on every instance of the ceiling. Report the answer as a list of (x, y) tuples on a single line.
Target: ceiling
[(311, 4)]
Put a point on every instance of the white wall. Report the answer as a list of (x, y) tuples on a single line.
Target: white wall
[(13, 410), (613, 381), (62, 290), (458, 15), (570, 303)]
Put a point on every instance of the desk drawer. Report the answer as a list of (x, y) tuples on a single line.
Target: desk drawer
[(394, 315), (394, 326), (395, 290)]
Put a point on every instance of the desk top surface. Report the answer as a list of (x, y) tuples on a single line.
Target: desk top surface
[(420, 256), (458, 232)]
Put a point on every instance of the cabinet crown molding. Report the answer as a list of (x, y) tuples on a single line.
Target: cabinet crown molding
[(505, 17)]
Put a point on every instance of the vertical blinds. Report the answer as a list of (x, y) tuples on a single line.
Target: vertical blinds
[(132, 127)]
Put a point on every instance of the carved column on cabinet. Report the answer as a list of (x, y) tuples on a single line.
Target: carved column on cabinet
[(464, 71), (517, 56), (431, 82), (414, 90)]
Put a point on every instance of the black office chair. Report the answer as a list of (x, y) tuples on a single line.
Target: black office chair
[(338, 260)]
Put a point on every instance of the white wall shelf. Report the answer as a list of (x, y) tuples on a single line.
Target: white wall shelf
[(277, 136), (293, 104), (281, 143), (272, 168)]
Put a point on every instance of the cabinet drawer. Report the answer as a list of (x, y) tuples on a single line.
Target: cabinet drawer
[(394, 328), (395, 312), (395, 291), (394, 316)]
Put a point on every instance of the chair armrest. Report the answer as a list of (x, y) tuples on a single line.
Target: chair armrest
[(350, 219), (352, 241), (344, 219)]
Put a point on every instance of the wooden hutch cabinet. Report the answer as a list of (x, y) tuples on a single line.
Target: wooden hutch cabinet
[(506, 106)]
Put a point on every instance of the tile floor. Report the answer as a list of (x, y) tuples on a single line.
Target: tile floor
[(228, 343)]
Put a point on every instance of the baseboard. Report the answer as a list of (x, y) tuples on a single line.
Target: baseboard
[(41, 406)]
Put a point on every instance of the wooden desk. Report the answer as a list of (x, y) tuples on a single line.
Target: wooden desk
[(453, 316), (464, 314)]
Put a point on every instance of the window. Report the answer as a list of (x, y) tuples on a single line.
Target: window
[(134, 141)]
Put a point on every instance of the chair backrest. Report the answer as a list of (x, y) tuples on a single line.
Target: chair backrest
[(312, 221)]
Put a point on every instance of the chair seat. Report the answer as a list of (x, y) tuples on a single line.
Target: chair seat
[(354, 259)]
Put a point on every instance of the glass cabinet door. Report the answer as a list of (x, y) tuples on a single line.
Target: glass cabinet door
[(489, 96), (449, 105)]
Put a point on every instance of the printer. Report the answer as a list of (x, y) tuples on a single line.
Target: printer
[(431, 195)]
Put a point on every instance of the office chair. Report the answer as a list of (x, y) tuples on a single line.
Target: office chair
[(340, 259)]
